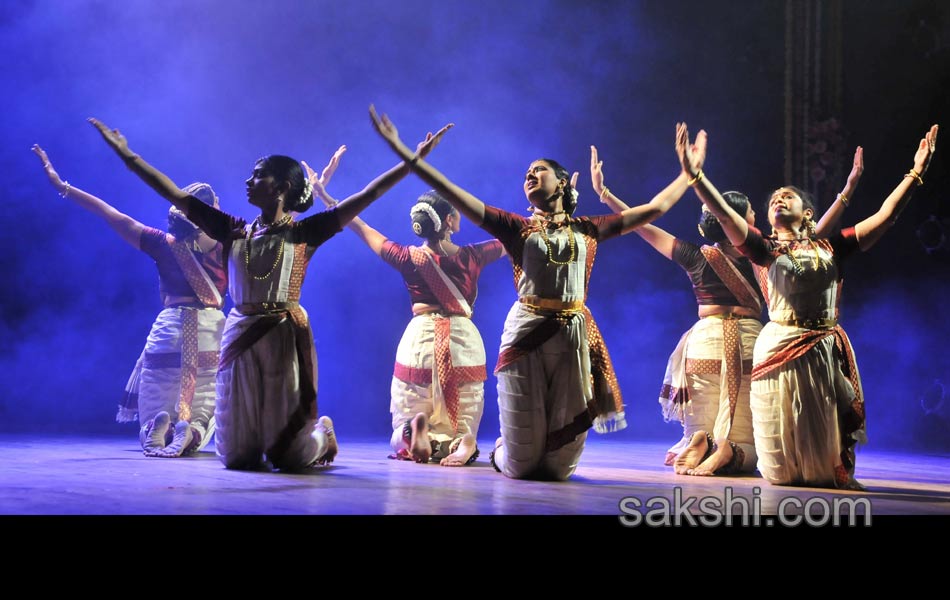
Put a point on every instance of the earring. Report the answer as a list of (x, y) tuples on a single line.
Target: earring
[(809, 227)]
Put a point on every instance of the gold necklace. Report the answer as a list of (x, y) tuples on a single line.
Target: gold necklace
[(797, 266), (280, 251), (571, 241)]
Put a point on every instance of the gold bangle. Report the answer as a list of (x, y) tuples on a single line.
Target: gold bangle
[(696, 179), (913, 173), (66, 188), (603, 194), (844, 200)]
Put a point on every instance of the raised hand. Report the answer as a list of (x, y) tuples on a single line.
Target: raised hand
[(857, 169), (925, 151), (51, 173), (692, 155), (870, 230), (596, 172), (431, 141), (318, 186), (320, 182), (388, 131), (682, 145), (112, 137), (330, 169), (698, 148)]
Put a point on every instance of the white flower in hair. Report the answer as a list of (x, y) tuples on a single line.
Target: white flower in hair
[(574, 194), (307, 191), (425, 207)]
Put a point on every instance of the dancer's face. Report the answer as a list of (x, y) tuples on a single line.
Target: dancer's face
[(540, 182), (262, 190), (786, 208)]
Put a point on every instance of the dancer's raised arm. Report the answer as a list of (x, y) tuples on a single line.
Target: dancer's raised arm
[(733, 224), (464, 202), (828, 222), (870, 230), (155, 179), (128, 228), (353, 205)]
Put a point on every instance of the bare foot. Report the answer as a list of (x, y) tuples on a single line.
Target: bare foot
[(460, 457), (419, 448), (717, 460), (154, 439), (325, 425), (694, 453), (182, 440), (670, 457)]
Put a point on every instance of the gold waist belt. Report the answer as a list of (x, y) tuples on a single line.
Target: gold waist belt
[(551, 304), (811, 323)]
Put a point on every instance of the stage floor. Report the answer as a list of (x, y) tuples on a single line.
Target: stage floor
[(74, 475)]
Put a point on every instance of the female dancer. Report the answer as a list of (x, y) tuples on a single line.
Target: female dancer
[(807, 401), (708, 376), (267, 379), (555, 378), (174, 377), (437, 390)]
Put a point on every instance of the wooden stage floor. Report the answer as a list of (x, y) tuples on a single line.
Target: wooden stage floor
[(76, 475)]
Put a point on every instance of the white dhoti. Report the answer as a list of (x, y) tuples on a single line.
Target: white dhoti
[(543, 391), (259, 394), (440, 372), (178, 368), (700, 364), (798, 409)]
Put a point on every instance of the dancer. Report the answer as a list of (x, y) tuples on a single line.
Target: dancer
[(437, 390), (807, 400), (267, 378), (708, 376), (555, 377), (173, 380)]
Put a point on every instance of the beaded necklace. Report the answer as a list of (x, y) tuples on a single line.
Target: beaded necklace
[(571, 240), (280, 251)]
